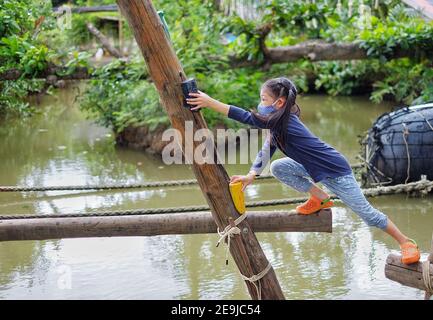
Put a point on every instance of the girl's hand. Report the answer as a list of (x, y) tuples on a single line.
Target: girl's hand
[(201, 100), (246, 180)]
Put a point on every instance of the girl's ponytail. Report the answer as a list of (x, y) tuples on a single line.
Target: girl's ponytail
[(278, 121)]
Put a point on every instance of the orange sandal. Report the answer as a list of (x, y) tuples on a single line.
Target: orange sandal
[(314, 204), (409, 252)]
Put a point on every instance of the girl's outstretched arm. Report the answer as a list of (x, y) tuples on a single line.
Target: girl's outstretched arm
[(202, 100)]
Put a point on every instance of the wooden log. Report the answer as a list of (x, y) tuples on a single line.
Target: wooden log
[(427, 295), (407, 275), (167, 74), (161, 224), (317, 50), (106, 8), (105, 42)]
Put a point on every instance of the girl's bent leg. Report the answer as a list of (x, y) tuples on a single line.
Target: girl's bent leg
[(296, 176), (291, 173), (347, 189)]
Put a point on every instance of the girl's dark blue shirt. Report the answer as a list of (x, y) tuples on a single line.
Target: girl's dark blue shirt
[(319, 158)]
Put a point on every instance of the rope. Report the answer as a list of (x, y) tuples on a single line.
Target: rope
[(422, 186), (229, 232), (110, 213), (96, 187), (373, 169), (405, 134), (426, 120), (427, 277), (155, 184), (256, 277), (366, 162)]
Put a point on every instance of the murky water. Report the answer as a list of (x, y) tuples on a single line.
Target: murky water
[(59, 146)]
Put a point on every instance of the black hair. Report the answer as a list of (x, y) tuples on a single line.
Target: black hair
[(278, 120)]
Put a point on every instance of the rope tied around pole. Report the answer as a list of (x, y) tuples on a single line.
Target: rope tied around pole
[(229, 232), (256, 278), (427, 277)]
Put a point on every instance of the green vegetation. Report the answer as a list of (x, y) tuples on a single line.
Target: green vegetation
[(19, 51), (29, 42), (119, 94)]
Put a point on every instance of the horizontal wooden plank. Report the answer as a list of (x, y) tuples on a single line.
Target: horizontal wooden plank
[(408, 275), (151, 225)]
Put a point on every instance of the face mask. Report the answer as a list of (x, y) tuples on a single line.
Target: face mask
[(265, 110)]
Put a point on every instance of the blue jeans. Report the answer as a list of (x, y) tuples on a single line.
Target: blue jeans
[(345, 187)]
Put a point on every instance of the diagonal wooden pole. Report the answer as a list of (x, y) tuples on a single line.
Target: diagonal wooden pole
[(167, 74)]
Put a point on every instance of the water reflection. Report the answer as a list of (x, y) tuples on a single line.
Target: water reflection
[(60, 147)]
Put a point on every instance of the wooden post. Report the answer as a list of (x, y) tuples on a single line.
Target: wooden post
[(103, 40), (427, 295), (121, 35), (167, 74), (155, 224), (408, 275)]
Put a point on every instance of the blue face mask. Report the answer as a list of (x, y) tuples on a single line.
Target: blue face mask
[(265, 110)]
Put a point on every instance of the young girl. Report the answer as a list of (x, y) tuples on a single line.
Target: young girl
[(307, 158)]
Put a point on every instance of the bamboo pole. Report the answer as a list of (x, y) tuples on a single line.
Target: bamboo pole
[(167, 74), (152, 225)]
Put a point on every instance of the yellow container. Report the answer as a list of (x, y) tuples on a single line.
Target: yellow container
[(238, 196)]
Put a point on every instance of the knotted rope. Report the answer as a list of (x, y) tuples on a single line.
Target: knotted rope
[(229, 232), (256, 277), (427, 277), (405, 134)]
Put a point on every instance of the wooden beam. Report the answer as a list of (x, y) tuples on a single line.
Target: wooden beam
[(152, 225), (107, 8), (317, 50), (105, 42), (407, 275), (167, 74)]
